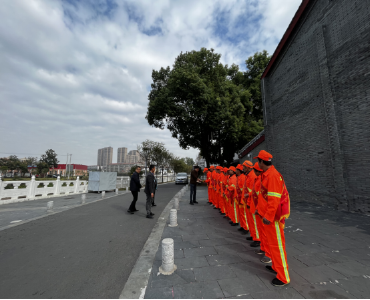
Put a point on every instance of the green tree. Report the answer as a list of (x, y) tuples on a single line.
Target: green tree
[(256, 65), (50, 158), (42, 168), (200, 103), (189, 161), (179, 165)]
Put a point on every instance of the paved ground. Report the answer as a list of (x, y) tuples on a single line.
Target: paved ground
[(328, 254), (84, 252)]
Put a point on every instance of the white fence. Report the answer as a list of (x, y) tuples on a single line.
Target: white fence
[(31, 190)]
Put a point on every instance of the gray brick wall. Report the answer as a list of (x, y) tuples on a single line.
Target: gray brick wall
[(317, 106)]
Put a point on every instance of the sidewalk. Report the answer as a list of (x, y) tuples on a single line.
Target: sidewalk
[(328, 254)]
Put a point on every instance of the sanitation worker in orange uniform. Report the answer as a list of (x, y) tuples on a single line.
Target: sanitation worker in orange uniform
[(233, 196), (208, 181), (255, 195), (274, 208), (224, 188), (218, 193), (226, 193), (253, 229), (213, 185), (240, 187)]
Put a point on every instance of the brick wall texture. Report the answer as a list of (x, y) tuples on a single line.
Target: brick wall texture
[(317, 106)]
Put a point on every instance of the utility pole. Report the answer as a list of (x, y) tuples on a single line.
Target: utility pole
[(70, 163), (66, 166)]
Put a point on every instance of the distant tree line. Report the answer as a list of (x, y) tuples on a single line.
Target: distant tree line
[(39, 166), (156, 153)]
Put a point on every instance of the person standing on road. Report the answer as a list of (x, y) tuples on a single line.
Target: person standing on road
[(150, 185), (193, 185), (135, 187)]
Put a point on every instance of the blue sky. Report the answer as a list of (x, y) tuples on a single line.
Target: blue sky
[(74, 75)]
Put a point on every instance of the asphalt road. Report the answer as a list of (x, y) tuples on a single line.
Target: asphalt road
[(85, 252)]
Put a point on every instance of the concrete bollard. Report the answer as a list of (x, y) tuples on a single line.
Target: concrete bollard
[(49, 206), (83, 198), (116, 191), (168, 263), (173, 218), (102, 194), (176, 204)]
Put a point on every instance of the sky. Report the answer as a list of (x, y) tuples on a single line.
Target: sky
[(75, 75)]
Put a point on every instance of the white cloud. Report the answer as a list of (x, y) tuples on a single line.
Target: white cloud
[(75, 77)]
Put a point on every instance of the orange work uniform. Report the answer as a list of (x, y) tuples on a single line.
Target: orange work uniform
[(241, 207), (213, 187), (257, 218), (251, 218), (233, 198), (208, 181), (272, 186)]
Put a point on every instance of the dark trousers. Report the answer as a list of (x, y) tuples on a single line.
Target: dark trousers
[(149, 201), (133, 203), (193, 193)]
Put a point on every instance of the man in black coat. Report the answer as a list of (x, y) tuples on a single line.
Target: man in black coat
[(150, 186), (135, 189)]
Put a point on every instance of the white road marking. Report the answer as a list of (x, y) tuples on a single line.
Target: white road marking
[(16, 221)]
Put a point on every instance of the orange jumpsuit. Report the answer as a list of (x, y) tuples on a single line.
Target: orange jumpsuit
[(219, 204), (257, 218), (208, 181), (213, 187), (233, 198), (227, 206), (271, 191), (241, 211), (250, 217), (222, 189)]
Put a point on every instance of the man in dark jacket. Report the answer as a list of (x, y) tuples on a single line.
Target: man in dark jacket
[(135, 189), (193, 185), (150, 185)]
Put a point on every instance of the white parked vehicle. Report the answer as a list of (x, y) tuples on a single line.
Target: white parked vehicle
[(181, 178)]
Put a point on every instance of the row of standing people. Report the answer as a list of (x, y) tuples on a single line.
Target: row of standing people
[(255, 197)]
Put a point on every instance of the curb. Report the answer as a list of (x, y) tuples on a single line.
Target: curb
[(137, 282), (54, 213)]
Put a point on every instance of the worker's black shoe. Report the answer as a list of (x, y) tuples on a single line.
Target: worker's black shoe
[(231, 222), (241, 229), (277, 282), (245, 231), (259, 252), (191, 203), (149, 216), (255, 244), (249, 238), (271, 269), (154, 204), (209, 203), (136, 210), (265, 260), (235, 224), (130, 212), (215, 207), (225, 217)]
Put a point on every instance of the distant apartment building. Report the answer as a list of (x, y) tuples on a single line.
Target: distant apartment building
[(105, 156), (121, 155)]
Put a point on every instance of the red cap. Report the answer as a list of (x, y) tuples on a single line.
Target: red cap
[(240, 167), (257, 167), (225, 169), (264, 155), (205, 169), (212, 167), (248, 164), (232, 168)]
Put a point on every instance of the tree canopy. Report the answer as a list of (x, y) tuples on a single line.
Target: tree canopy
[(204, 104)]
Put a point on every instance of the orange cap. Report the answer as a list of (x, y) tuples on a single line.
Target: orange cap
[(218, 167), (264, 155), (225, 169), (232, 168), (212, 167), (248, 164), (205, 169), (240, 167), (257, 167)]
